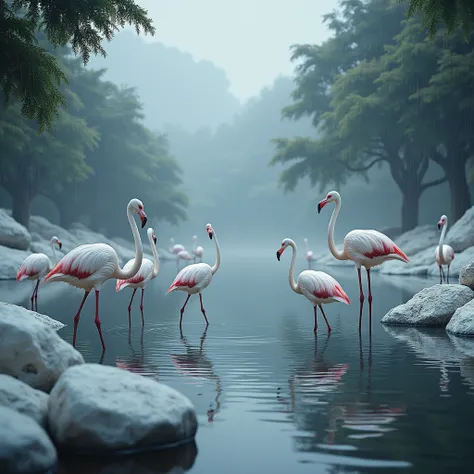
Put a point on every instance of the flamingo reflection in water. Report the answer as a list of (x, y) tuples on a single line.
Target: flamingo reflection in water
[(196, 365)]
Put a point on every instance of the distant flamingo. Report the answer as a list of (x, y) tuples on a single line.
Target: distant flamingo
[(35, 266), (194, 278), (309, 254), (183, 255), (147, 272), (444, 254), (198, 251), (175, 248), (366, 248), (317, 287), (89, 266)]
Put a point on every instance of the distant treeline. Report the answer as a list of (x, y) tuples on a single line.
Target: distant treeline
[(380, 92)]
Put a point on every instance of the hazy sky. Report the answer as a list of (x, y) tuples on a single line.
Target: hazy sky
[(250, 39)]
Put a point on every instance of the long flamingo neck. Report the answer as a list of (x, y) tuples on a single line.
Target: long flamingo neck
[(291, 272), (306, 246), (441, 241), (55, 258), (340, 255), (216, 266), (156, 259), (120, 274)]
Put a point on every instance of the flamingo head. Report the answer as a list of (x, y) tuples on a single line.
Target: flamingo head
[(284, 244), (332, 196), (136, 206), (305, 240), (151, 234), (55, 240), (195, 237), (210, 230), (442, 221)]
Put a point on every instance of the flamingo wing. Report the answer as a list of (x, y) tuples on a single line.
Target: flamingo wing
[(143, 275), (320, 285), (34, 265), (192, 277)]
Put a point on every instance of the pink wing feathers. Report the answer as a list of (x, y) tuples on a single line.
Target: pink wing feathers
[(34, 265), (145, 272), (322, 286), (191, 276), (373, 244)]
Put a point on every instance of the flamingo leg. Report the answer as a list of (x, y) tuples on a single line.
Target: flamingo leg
[(34, 297), (315, 330), (440, 274), (78, 315), (370, 301), (131, 300), (203, 310), (444, 276), (182, 311), (325, 319), (141, 306), (361, 299), (97, 319), (447, 279)]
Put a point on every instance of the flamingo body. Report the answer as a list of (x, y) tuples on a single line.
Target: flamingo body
[(34, 267), (144, 275), (184, 255), (320, 288), (447, 255), (192, 279)]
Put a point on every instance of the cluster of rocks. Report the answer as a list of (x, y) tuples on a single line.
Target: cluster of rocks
[(51, 401), (17, 242)]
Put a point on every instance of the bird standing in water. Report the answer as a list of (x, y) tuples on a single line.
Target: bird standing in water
[(444, 254)]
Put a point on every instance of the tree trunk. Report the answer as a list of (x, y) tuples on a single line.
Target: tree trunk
[(66, 213), (459, 189), (410, 208), (21, 207)]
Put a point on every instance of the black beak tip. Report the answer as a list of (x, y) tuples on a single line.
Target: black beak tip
[(439, 226), (210, 235), (154, 240), (60, 245), (278, 255), (144, 220), (319, 208)]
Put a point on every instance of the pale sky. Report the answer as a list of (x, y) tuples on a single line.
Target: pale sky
[(249, 39)]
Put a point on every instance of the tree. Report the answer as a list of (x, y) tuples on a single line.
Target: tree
[(82, 24)]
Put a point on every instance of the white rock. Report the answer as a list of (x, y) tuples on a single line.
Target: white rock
[(466, 275), (460, 235), (432, 306), (418, 239), (18, 396), (462, 322), (32, 351), (24, 446), (22, 313), (46, 230), (11, 260), (13, 234), (96, 407)]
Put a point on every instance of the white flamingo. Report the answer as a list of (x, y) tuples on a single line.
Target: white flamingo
[(317, 287), (147, 272), (308, 253), (366, 248), (89, 266), (183, 255), (35, 266), (444, 254), (175, 248), (194, 278), (198, 251)]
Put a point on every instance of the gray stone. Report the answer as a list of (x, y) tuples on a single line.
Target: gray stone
[(96, 407), (13, 234), (24, 446), (460, 235), (11, 261), (466, 275), (432, 306), (18, 396), (462, 322), (31, 350)]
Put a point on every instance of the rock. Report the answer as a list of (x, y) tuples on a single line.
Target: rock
[(433, 306), (462, 322), (460, 235), (24, 399), (24, 446), (418, 239), (31, 351), (11, 261), (20, 313), (466, 275), (46, 230), (91, 405), (13, 234)]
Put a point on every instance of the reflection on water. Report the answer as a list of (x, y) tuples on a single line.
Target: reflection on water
[(269, 395)]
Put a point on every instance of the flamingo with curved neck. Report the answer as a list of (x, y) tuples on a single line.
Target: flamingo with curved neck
[(89, 266), (444, 254), (308, 254), (317, 287)]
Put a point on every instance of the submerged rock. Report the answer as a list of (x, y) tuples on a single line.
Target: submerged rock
[(432, 306), (13, 234), (24, 399), (95, 408), (466, 275), (24, 446), (462, 322), (31, 350)]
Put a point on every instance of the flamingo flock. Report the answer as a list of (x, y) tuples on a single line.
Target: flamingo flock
[(89, 266)]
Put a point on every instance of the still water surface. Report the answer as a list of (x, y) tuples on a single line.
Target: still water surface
[(271, 397)]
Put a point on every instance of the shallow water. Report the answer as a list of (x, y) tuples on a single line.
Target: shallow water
[(269, 395)]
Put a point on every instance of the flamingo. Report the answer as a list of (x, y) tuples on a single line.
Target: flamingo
[(444, 254), (175, 248), (198, 251), (35, 266), (309, 254), (183, 255), (366, 248), (89, 266), (147, 272), (194, 278), (317, 287)]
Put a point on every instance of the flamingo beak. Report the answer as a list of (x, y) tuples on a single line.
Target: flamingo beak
[(440, 225), (210, 234), (154, 239), (279, 252), (321, 205), (60, 245), (143, 217)]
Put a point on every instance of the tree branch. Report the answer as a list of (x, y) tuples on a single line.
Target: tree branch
[(435, 182), (362, 168)]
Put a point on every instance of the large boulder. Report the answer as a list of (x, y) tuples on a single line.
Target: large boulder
[(11, 261), (41, 226), (462, 322), (13, 234), (91, 405), (31, 350), (18, 396), (433, 306), (460, 235), (466, 275), (24, 446)]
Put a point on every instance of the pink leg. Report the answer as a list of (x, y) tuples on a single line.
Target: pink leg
[(182, 311), (97, 319), (141, 306), (203, 310), (130, 308), (315, 330), (370, 301), (78, 315), (325, 319), (361, 299)]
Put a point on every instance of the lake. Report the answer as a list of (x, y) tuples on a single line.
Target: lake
[(270, 397)]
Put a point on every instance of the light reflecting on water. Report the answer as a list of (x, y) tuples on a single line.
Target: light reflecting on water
[(268, 394)]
